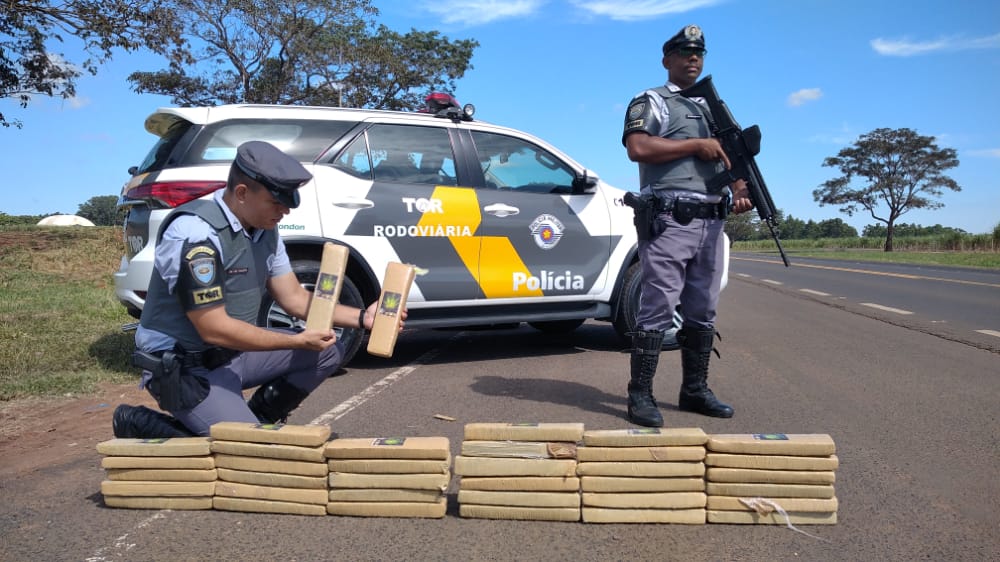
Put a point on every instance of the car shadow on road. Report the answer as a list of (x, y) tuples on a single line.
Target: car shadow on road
[(471, 345), (551, 391)]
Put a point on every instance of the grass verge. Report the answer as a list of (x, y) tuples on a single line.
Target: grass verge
[(60, 323)]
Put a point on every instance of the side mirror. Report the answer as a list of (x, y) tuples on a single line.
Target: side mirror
[(132, 170), (585, 183)]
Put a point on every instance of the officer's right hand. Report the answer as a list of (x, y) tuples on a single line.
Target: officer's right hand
[(711, 149), (315, 340)]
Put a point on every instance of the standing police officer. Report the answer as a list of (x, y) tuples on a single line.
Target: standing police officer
[(680, 245), (197, 340)]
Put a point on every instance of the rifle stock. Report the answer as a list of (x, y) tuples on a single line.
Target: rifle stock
[(740, 146)]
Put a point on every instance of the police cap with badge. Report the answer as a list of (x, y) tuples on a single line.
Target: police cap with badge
[(278, 172), (690, 36)]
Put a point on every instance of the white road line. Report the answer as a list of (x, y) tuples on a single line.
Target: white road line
[(375, 388), (742, 275), (817, 293), (772, 281), (117, 551), (886, 308), (993, 333)]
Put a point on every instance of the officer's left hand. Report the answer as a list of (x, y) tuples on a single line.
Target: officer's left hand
[(372, 310), (741, 197)]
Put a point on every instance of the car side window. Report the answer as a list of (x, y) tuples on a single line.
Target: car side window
[(301, 139), (411, 154), (354, 159), (514, 164)]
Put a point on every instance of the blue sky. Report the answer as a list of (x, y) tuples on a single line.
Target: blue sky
[(814, 74)]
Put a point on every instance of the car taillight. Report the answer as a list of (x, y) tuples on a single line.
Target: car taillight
[(173, 193)]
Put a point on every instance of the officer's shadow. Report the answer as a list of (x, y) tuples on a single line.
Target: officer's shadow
[(551, 391)]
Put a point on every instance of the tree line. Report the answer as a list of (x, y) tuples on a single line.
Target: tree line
[(746, 227)]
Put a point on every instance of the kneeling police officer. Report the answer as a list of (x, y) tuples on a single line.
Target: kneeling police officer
[(197, 340)]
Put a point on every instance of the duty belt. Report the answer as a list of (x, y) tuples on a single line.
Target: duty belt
[(685, 209), (209, 358), (708, 211)]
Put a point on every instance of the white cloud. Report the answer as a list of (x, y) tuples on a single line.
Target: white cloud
[(77, 102), (641, 9), (987, 152), (479, 12), (804, 95), (907, 48)]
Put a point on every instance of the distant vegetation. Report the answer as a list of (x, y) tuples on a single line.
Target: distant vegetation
[(835, 233)]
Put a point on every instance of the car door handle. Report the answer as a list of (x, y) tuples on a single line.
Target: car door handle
[(354, 203), (501, 210)]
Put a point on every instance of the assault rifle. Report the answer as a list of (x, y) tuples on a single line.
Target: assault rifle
[(740, 147)]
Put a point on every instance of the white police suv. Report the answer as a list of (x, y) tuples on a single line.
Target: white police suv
[(503, 227)]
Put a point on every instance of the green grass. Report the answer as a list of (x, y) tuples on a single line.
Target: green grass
[(60, 323), (922, 251)]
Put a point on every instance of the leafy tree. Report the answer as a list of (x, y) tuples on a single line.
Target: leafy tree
[(793, 228), (900, 168), (101, 210), (396, 71), (15, 220), (301, 52), (741, 227), (747, 226), (904, 229), (835, 228), (28, 28)]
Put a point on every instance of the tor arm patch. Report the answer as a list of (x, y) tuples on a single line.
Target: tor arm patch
[(200, 278)]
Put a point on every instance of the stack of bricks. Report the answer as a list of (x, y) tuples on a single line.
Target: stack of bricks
[(176, 473), (388, 477), (519, 471), (643, 475), (771, 478), (270, 468)]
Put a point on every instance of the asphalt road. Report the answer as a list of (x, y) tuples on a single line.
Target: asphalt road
[(958, 303), (913, 414)]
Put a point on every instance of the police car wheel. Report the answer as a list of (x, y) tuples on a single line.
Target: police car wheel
[(628, 301), (628, 308), (556, 326), (272, 315)]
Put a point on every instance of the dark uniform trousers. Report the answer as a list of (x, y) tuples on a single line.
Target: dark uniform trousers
[(682, 265), (303, 369)]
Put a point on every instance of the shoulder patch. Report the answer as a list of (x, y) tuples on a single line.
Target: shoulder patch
[(206, 295), (207, 250), (203, 269)]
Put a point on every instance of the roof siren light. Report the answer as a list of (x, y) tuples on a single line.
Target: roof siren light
[(441, 104)]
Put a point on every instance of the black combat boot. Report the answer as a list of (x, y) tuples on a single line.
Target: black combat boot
[(695, 396), (273, 401), (142, 423), (642, 409)]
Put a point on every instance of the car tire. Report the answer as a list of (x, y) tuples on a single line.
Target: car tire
[(307, 271), (556, 326), (628, 301), (628, 309)]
